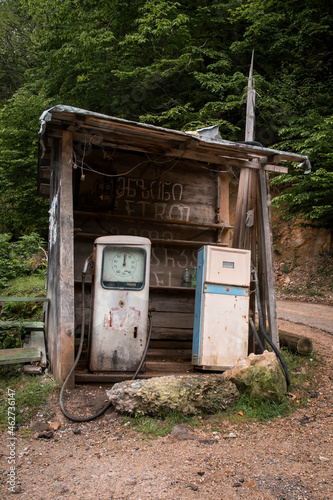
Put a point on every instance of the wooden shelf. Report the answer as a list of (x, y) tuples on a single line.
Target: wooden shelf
[(172, 288), (169, 222), (160, 241), (153, 287)]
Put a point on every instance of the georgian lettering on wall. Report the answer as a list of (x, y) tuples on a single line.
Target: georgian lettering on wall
[(156, 199)]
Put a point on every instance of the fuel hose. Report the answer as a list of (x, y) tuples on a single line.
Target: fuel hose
[(263, 330), (78, 355)]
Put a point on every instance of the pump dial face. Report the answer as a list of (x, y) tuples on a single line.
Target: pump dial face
[(124, 264), (123, 267)]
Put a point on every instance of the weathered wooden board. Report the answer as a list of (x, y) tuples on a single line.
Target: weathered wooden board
[(167, 354), (176, 320), (134, 185), (37, 340), (28, 325), (23, 299), (170, 344), (19, 355), (160, 333), (168, 367)]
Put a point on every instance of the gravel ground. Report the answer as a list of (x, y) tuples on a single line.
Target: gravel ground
[(290, 458)]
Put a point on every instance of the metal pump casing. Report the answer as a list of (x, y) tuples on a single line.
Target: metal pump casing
[(120, 303), (221, 318)]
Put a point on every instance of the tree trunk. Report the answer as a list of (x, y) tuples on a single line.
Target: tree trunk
[(296, 343)]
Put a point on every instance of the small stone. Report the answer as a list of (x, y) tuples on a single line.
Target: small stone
[(231, 435), (208, 441), (201, 473), (17, 489), (324, 459), (192, 486), (39, 426), (181, 432), (237, 485), (76, 431), (54, 426), (45, 435)]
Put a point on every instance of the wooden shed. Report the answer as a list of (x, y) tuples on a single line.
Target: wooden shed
[(109, 176)]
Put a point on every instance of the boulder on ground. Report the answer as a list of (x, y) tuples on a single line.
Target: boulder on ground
[(261, 376), (187, 394)]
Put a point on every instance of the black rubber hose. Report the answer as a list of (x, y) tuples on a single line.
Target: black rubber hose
[(146, 349), (254, 330), (263, 330), (102, 410), (68, 415)]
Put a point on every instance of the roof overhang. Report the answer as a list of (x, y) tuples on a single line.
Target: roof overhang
[(107, 131)]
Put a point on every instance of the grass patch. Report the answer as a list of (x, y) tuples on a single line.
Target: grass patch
[(303, 371), (261, 409), (31, 395), (24, 286), (152, 427)]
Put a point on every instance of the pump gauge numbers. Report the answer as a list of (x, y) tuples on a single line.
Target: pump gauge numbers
[(123, 267)]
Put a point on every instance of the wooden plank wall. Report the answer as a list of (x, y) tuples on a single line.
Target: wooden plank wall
[(179, 205)]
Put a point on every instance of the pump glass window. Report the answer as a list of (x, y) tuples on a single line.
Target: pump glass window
[(123, 267)]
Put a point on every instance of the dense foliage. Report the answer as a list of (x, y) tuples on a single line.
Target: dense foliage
[(21, 258), (179, 64)]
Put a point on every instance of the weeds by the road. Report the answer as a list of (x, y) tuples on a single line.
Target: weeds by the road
[(303, 371), (31, 395)]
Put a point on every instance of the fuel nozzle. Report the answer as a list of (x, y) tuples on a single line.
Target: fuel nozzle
[(89, 265)]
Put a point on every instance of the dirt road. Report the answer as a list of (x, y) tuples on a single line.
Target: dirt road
[(290, 458), (314, 315)]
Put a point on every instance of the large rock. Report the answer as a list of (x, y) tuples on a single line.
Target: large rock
[(261, 376), (187, 394)]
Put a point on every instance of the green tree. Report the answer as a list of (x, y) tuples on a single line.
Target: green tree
[(21, 210), (177, 63), (16, 48)]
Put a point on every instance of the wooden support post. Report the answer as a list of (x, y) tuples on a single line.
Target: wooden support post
[(268, 256), (60, 290), (224, 184), (253, 247), (241, 232), (244, 232), (241, 206), (66, 263)]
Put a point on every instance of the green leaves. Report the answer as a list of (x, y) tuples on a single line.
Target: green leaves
[(179, 64), (16, 257), (11, 338)]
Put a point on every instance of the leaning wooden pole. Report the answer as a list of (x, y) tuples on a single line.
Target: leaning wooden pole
[(240, 237), (267, 242), (245, 227), (250, 105)]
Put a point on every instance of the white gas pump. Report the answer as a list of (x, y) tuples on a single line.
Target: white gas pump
[(221, 318), (120, 303)]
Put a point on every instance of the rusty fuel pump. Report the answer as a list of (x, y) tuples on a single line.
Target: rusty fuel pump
[(120, 337)]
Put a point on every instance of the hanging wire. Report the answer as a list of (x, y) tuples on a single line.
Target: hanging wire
[(84, 166)]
